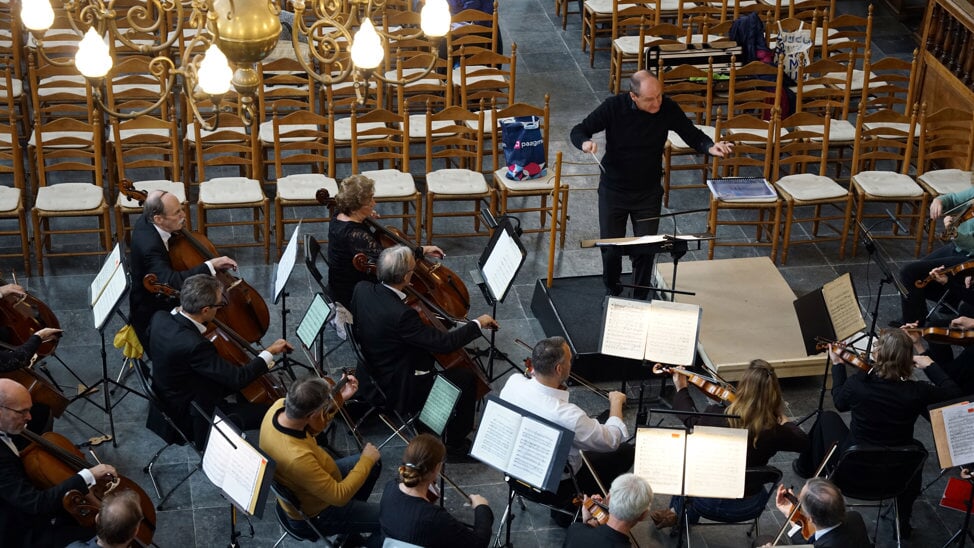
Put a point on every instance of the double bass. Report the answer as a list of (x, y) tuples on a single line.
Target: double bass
[(51, 459)]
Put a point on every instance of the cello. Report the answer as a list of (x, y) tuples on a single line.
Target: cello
[(22, 315), (246, 312), (51, 459)]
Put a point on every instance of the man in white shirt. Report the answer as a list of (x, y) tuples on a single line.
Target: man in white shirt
[(545, 395)]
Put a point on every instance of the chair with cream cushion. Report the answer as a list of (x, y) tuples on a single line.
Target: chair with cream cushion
[(692, 89), (821, 90), (629, 39), (946, 138), (12, 203)]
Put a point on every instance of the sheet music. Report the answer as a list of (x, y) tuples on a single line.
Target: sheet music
[(108, 287), (672, 333), (313, 321), (533, 449), (502, 265), (108, 269), (959, 425), (716, 461), (843, 306), (496, 436), (625, 328), (439, 405), (659, 459), (286, 264), (235, 471)]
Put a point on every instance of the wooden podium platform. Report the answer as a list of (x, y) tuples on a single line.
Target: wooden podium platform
[(747, 314)]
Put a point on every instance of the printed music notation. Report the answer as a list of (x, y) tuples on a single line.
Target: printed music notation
[(953, 433), (659, 331), (843, 306), (709, 462)]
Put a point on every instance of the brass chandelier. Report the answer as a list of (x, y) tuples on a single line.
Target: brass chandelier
[(235, 35)]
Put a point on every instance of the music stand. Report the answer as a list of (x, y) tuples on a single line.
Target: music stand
[(882, 259), (310, 329), (498, 266), (279, 280), (675, 245)]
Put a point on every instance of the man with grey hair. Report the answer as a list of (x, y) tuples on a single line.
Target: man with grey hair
[(117, 521), (399, 347), (187, 367), (822, 502), (628, 503), (162, 215)]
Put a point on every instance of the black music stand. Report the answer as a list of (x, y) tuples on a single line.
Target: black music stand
[(279, 280), (498, 266), (882, 259)]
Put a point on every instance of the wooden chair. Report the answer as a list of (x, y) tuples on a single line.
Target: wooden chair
[(692, 89), (12, 166), (460, 149), (890, 83), (946, 138), (230, 147), (482, 76), (629, 40), (472, 28), (754, 89), (880, 138), (799, 176), (821, 91), (597, 24), (283, 87), (752, 138), (435, 89), (852, 36), (541, 188)]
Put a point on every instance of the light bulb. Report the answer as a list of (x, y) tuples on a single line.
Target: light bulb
[(214, 72), (366, 47), (435, 18), (37, 14), (93, 59)]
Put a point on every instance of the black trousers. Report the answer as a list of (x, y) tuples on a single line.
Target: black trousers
[(914, 305), (616, 209)]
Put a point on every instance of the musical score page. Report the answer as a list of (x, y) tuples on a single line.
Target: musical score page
[(843, 306), (233, 465), (716, 462), (672, 333), (496, 436), (625, 328), (959, 425), (533, 450), (659, 459)]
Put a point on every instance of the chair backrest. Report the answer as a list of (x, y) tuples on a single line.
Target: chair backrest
[(229, 145), (159, 420), (486, 75), (823, 85), (692, 89), (883, 136), (803, 147), (754, 87), (459, 142), (890, 83), (521, 109), (307, 529), (302, 137), (946, 134), (752, 138), (874, 472), (472, 28), (145, 143), (379, 137), (71, 145)]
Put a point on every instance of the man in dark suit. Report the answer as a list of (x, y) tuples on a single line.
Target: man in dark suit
[(822, 502), (187, 368), (398, 347), (25, 511), (162, 215)]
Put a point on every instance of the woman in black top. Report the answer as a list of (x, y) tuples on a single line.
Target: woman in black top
[(348, 235), (761, 409), (405, 513), (885, 403)]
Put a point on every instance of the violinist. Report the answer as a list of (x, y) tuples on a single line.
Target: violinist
[(406, 514), (348, 236), (952, 208), (162, 215), (117, 521), (25, 511), (546, 396), (885, 403), (334, 493), (630, 497), (187, 367), (822, 503), (960, 368), (761, 409), (398, 348)]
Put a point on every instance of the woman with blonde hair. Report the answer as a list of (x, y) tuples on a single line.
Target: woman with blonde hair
[(406, 514), (761, 411)]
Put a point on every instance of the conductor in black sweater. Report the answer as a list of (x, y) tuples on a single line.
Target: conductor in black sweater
[(636, 125)]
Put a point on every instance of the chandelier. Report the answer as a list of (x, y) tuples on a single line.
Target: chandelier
[(234, 35)]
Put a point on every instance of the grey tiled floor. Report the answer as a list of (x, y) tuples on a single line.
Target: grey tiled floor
[(550, 62)]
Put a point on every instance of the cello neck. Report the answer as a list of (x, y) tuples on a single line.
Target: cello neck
[(197, 245), (67, 458)]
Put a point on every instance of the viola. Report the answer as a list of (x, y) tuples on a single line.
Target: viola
[(950, 232), (431, 279), (232, 347), (956, 270), (598, 510), (845, 353), (714, 390), (51, 459), (246, 312), (944, 335), (22, 316)]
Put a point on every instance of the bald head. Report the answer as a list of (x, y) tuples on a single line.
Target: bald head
[(163, 209), (14, 406), (646, 91)]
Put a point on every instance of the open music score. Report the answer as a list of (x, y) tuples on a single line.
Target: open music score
[(240, 471), (108, 287), (953, 433), (710, 462), (843, 306), (658, 331)]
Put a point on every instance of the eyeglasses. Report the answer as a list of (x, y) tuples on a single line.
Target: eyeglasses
[(220, 304), (21, 412)]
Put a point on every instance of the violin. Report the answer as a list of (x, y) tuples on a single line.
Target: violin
[(798, 518), (246, 312), (232, 347), (845, 353), (950, 231), (944, 335), (22, 316), (598, 510), (714, 390), (51, 459), (956, 270), (431, 279)]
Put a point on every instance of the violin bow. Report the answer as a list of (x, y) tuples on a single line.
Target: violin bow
[(598, 482), (796, 507)]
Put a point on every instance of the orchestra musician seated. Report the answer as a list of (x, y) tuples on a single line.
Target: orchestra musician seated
[(188, 368), (627, 504), (761, 410), (959, 368), (545, 395), (162, 215), (407, 514), (31, 517), (117, 521), (885, 403), (398, 348), (334, 493), (349, 235), (822, 503)]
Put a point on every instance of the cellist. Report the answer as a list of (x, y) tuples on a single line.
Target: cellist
[(399, 347), (187, 367), (162, 215), (26, 512)]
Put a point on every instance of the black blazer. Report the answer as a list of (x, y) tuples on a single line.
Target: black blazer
[(396, 342), (186, 368), (24, 509), (851, 533), (149, 256)]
